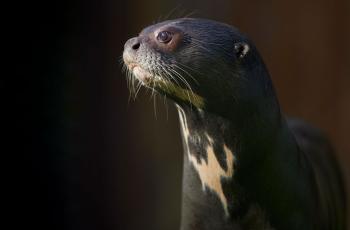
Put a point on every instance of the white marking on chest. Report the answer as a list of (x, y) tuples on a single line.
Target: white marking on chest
[(210, 172)]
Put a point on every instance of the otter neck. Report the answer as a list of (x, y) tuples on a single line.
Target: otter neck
[(213, 158)]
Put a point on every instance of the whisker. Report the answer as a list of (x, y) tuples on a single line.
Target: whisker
[(188, 74), (172, 11), (181, 78), (187, 85), (191, 13), (121, 59), (153, 91), (129, 80), (191, 69), (166, 107), (160, 18), (154, 104), (171, 76), (139, 85)]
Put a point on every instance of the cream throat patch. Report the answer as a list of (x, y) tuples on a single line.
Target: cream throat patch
[(209, 170)]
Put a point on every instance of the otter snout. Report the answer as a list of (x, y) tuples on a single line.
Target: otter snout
[(130, 48), (132, 43)]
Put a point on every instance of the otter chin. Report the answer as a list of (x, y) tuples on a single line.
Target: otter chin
[(246, 166), (142, 75)]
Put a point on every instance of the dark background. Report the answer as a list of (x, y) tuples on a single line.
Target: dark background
[(93, 160)]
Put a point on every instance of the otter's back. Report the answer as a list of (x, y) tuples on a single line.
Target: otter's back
[(329, 183)]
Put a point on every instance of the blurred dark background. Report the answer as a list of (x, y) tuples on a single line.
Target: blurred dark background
[(93, 160)]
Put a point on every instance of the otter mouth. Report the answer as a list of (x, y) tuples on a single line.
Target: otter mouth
[(168, 83), (145, 77), (159, 84), (140, 73)]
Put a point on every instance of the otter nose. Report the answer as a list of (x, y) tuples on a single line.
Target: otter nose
[(132, 43)]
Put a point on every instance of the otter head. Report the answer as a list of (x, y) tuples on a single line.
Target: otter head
[(197, 62)]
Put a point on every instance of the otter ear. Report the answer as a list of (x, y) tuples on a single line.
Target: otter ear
[(241, 49)]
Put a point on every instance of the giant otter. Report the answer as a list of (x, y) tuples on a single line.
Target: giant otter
[(246, 166)]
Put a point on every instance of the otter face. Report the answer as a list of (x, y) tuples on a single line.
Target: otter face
[(189, 60), (149, 56)]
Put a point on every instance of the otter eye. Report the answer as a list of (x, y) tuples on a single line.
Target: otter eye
[(164, 36)]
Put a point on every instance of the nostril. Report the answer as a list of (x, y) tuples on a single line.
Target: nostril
[(136, 46)]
